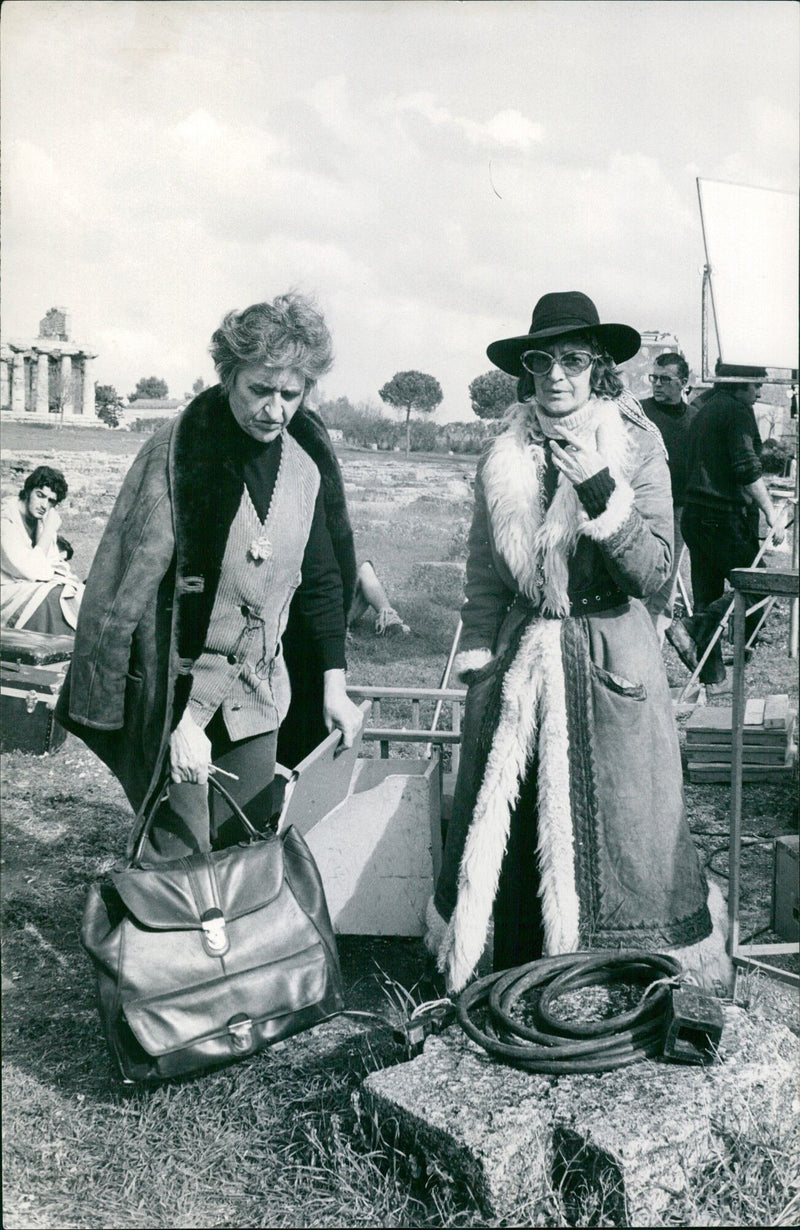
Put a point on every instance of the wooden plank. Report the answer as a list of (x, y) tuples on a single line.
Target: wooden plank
[(722, 755), (766, 581), (754, 711), (718, 720), (710, 719), (757, 738), (750, 773), (776, 712)]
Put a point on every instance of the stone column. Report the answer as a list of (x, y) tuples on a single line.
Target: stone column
[(88, 408), (66, 383), (18, 383), (5, 382), (42, 382)]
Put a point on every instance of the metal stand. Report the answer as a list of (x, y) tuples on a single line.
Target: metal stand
[(766, 545), (777, 585)]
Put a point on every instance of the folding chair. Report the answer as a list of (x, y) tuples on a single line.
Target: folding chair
[(765, 604)]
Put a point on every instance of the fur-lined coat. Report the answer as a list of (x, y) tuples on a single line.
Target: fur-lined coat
[(151, 589), (566, 683)]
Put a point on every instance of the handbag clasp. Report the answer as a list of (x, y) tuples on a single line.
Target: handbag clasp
[(240, 1027), (215, 933)]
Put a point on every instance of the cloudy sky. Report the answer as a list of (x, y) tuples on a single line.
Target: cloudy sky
[(426, 169)]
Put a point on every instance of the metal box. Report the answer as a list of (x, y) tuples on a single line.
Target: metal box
[(32, 670)]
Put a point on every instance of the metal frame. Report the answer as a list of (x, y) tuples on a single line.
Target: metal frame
[(775, 585), (414, 734), (706, 375), (767, 602)]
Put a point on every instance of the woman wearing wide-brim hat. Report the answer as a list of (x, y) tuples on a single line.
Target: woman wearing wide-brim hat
[(568, 825)]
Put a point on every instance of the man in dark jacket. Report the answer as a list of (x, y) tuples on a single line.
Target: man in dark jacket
[(673, 417), (724, 493)]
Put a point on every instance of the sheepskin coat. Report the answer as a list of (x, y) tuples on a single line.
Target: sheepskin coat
[(567, 688), (152, 586)]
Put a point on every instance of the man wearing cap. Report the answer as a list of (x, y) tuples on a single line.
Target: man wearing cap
[(724, 493), (673, 417)]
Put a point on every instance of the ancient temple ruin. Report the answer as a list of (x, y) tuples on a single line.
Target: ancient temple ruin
[(49, 374)]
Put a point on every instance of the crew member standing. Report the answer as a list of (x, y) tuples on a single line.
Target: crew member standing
[(724, 493), (673, 416)]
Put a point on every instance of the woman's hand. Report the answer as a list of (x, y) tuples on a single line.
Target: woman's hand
[(189, 751), (338, 711), (578, 459)]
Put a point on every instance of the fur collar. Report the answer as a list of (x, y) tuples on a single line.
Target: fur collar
[(536, 541)]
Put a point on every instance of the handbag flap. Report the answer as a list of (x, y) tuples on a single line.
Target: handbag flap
[(169, 1022), (237, 881)]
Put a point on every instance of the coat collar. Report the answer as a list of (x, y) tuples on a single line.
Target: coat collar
[(534, 538), (206, 458)]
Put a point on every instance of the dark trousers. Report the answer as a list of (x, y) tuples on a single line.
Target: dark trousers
[(718, 542), (196, 819), (518, 925)]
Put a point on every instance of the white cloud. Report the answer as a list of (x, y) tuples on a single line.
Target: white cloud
[(508, 129), (512, 129)]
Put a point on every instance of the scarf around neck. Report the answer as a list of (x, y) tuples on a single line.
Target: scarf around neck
[(536, 539)]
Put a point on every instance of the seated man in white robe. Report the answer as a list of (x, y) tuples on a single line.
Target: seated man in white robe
[(38, 589)]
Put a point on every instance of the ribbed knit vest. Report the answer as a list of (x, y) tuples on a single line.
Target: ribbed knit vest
[(241, 669)]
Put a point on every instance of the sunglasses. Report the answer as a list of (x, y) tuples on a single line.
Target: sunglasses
[(665, 379), (540, 363)]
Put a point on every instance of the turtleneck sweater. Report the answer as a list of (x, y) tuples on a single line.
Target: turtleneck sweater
[(595, 491)]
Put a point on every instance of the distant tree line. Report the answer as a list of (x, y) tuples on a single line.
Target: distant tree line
[(365, 427)]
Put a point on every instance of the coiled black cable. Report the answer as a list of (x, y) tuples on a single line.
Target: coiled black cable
[(560, 1047)]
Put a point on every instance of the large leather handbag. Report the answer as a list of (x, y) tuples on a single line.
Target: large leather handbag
[(211, 957)]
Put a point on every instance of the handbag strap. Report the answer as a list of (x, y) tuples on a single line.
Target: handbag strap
[(163, 792)]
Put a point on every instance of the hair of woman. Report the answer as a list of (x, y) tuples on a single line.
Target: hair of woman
[(45, 476), (289, 332)]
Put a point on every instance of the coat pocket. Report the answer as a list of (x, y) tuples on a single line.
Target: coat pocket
[(618, 685)]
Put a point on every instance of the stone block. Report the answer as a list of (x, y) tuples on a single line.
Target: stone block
[(379, 851), (485, 1125), (444, 581), (625, 1138)]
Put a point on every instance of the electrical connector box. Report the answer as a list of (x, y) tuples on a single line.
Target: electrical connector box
[(415, 1029), (693, 1028)]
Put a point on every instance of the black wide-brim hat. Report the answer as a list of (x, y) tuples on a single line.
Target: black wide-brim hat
[(558, 315)]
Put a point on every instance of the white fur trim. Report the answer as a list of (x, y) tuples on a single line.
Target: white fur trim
[(535, 547), (435, 928), (557, 887), (614, 516), (708, 960), (471, 660), (533, 700)]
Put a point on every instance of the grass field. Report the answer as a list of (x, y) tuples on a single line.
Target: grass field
[(275, 1140)]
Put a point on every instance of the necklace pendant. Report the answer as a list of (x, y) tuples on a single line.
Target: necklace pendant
[(260, 548)]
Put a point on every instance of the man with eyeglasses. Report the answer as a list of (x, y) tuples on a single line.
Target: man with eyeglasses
[(672, 415)]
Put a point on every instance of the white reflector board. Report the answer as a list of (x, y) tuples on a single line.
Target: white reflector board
[(751, 242)]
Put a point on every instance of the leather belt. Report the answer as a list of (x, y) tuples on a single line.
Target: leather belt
[(584, 602)]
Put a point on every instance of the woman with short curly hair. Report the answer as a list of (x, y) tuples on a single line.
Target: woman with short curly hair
[(289, 332), (231, 525)]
